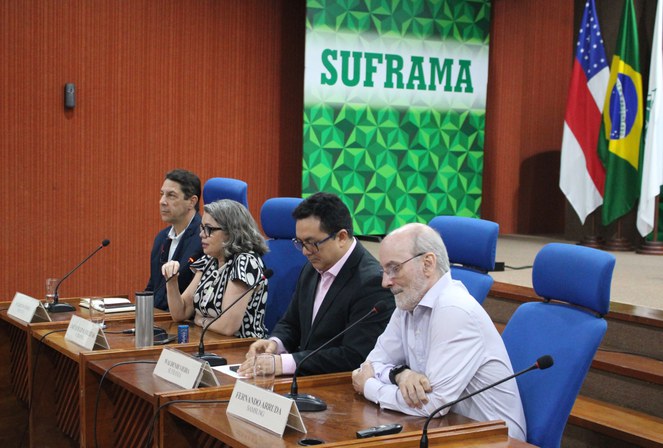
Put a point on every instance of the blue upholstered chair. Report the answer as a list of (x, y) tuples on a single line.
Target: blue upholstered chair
[(471, 244), (286, 261), (225, 188), (574, 282)]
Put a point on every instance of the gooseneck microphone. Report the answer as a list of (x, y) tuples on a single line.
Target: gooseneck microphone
[(57, 307), (309, 403), (182, 267), (542, 363), (211, 358)]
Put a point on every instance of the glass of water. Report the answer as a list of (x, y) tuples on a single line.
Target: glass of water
[(264, 371), (51, 284), (97, 311)]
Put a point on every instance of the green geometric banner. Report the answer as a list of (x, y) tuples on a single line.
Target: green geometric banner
[(394, 113)]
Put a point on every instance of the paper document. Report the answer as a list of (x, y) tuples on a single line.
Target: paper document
[(230, 370)]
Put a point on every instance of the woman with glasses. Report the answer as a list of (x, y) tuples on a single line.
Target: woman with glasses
[(232, 264)]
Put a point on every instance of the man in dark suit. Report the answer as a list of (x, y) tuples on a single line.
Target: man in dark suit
[(340, 283), (180, 194)]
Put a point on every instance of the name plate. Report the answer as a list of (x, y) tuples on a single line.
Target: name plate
[(86, 334), (27, 309), (184, 370), (265, 409)]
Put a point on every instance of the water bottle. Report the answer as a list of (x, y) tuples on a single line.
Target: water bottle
[(144, 318)]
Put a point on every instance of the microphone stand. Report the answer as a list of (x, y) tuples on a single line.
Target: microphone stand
[(57, 307), (542, 363), (310, 403), (213, 359)]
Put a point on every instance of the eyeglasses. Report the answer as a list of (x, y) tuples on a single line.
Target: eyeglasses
[(312, 247), (393, 270), (207, 230)]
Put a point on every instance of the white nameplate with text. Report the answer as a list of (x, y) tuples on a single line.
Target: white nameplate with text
[(184, 370), (265, 409), (27, 309), (86, 334)]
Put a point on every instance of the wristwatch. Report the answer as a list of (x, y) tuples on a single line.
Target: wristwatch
[(395, 371)]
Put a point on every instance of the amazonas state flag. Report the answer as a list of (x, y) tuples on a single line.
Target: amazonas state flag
[(619, 144), (581, 174)]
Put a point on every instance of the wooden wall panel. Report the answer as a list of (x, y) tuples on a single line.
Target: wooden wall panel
[(214, 86), (530, 62)]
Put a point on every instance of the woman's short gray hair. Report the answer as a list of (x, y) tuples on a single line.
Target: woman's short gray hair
[(237, 222)]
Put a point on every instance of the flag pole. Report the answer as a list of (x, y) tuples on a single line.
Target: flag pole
[(618, 243), (653, 247), (593, 239)]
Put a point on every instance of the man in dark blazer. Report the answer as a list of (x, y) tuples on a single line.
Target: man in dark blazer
[(180, 195), (340, 284)]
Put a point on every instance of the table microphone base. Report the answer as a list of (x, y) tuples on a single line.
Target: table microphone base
[(212, 359), (307, 403), (59, 307)]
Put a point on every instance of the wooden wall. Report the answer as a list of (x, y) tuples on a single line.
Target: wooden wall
[(531, 55), (214, 86)]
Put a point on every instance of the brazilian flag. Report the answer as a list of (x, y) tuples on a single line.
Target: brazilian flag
[(619, 149)]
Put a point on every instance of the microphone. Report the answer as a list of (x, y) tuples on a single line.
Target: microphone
[(309, 403), (56, 307), (211, 358), (542, 363), (161, 285)]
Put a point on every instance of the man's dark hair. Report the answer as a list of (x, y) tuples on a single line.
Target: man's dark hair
[(329, 209), (189, 182)]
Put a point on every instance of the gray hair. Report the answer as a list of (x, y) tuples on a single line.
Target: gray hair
[(237, 222), (426, 239)]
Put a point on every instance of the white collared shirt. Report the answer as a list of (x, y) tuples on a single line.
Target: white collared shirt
[(449, 338), (175, 239)]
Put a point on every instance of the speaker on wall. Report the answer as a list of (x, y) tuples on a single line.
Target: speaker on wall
[(69, 95)]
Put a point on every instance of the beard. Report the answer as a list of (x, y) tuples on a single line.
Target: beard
[(408, 297)]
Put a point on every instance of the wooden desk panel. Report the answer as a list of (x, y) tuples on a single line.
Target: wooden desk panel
[(14, 371), (56, 413), (17, 339), (129, 394), (192, 425), (17, 332), (13, 384)]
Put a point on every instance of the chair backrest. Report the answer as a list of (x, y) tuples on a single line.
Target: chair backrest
[(569, 328), (471, 244), (226, 188), (286, 261)]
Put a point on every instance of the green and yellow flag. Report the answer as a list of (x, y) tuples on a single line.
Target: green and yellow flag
[(619, 149)]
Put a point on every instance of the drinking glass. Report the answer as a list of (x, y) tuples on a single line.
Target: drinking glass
[(51, 284), (264, 370), (97, 311)]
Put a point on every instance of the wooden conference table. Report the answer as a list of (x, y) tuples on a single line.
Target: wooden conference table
[(193, 425), (66, 384), (56, 415), (129, 395), (39, 357)]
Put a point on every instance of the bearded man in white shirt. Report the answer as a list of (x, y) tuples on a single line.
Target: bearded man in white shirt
[(440, 344)]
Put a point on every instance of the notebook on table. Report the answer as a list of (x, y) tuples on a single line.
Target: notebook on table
[(110, 304)]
